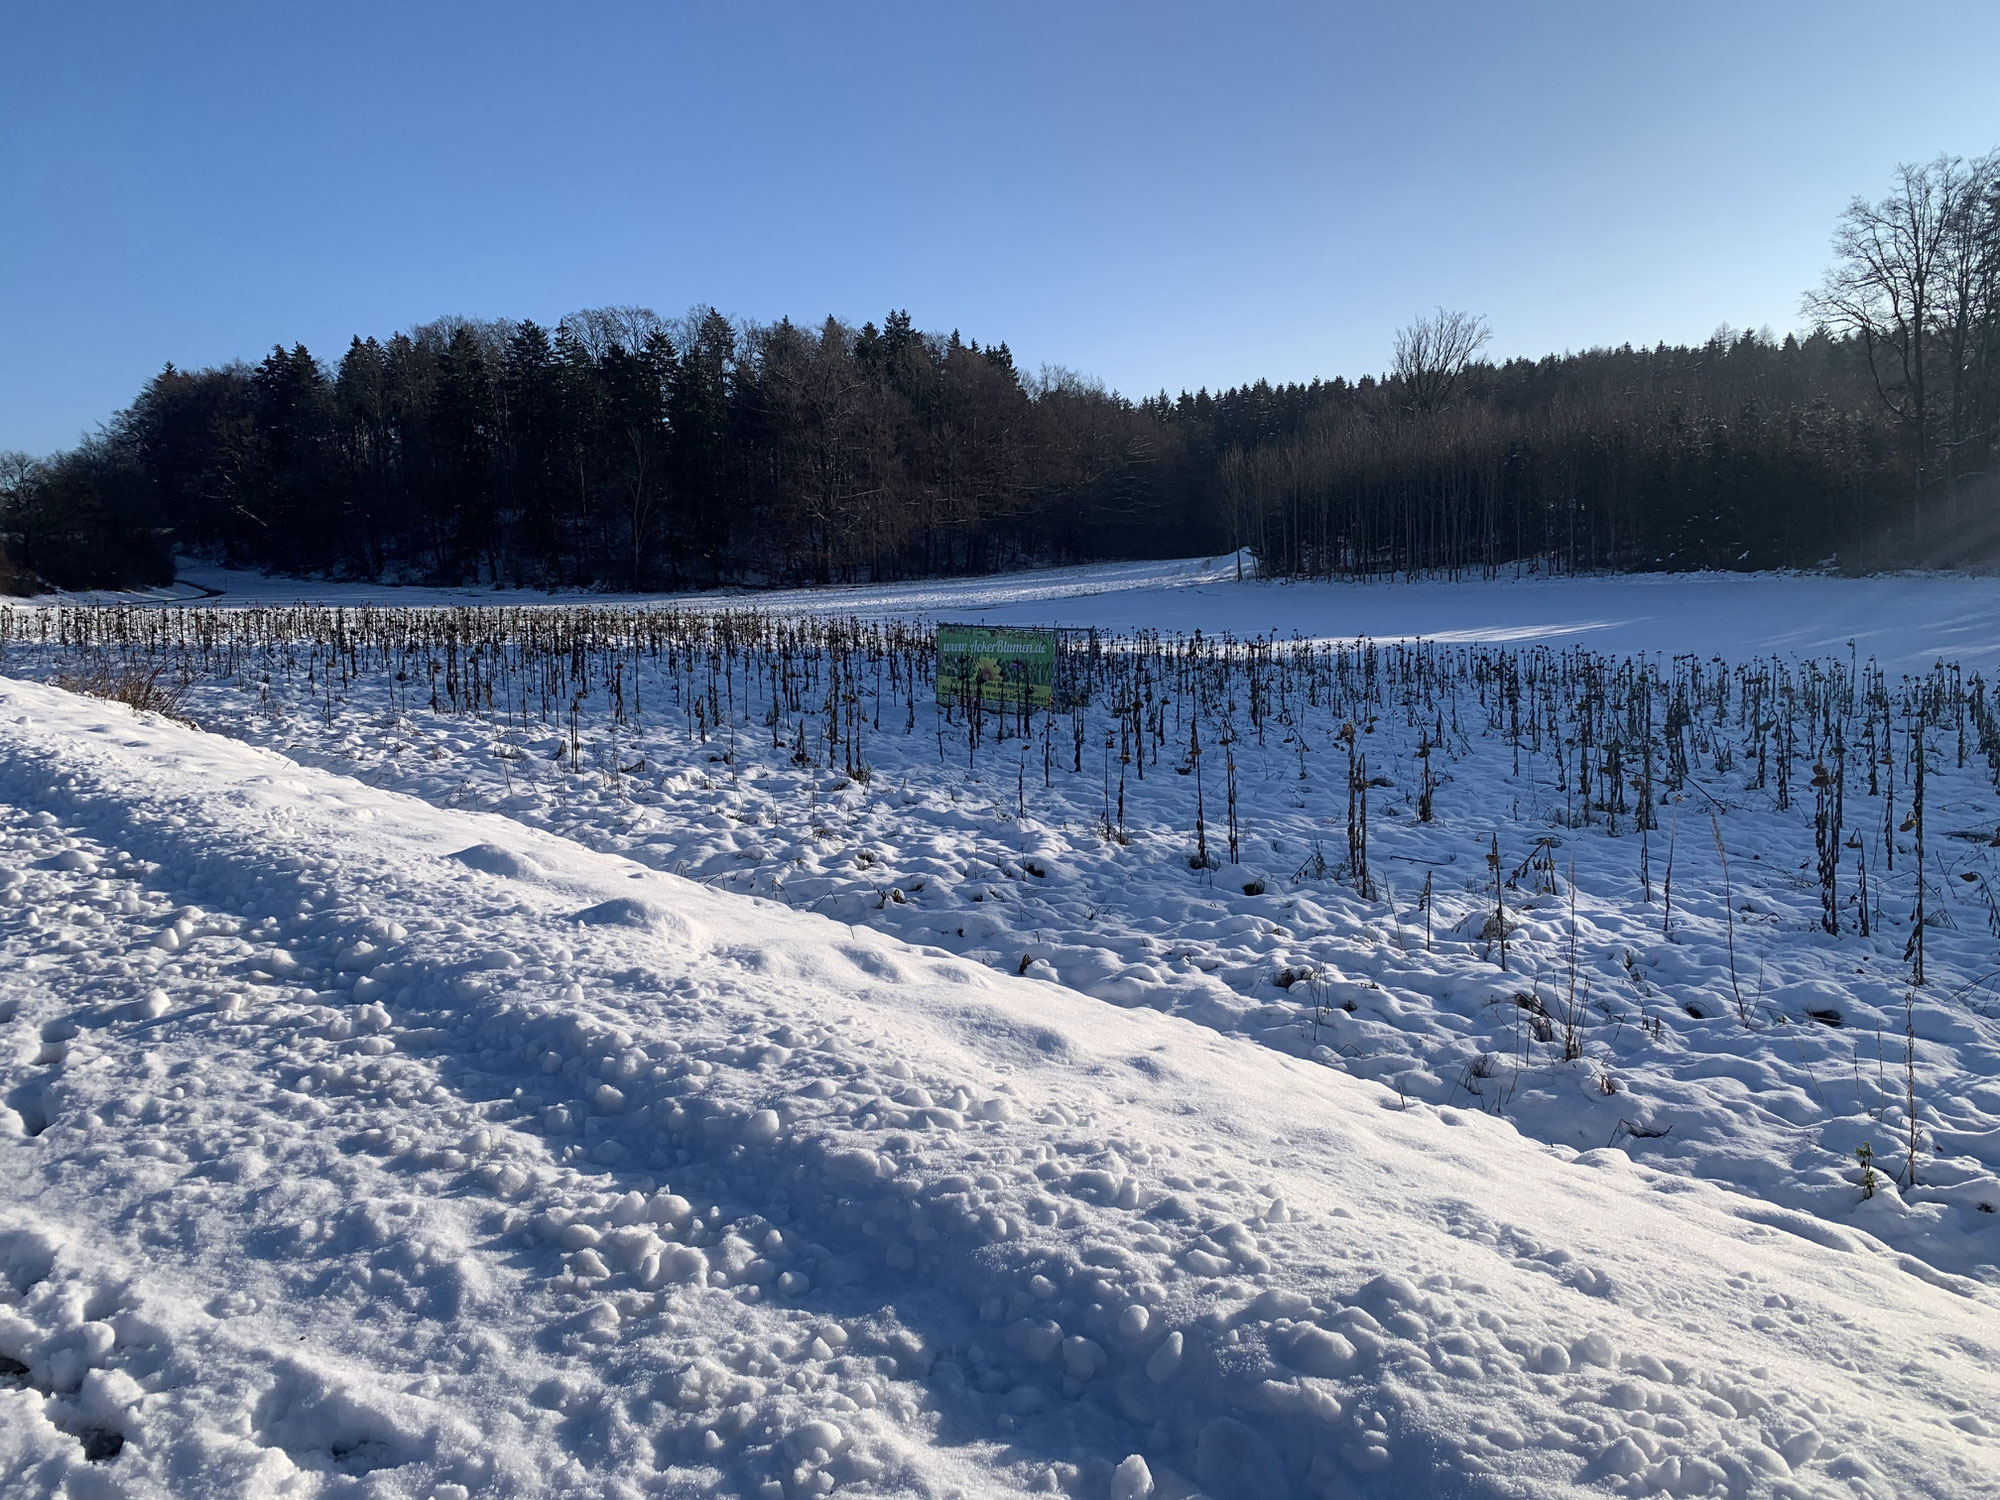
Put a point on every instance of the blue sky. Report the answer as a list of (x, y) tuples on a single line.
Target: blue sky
[(1161, 195)]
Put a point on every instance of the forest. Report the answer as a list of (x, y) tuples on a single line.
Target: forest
[(619, 449)]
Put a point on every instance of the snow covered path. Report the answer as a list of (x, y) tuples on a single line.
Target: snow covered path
[(353, 1145)]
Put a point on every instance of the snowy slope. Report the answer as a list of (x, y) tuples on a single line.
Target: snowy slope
[(1904, 621), (354, 1145)]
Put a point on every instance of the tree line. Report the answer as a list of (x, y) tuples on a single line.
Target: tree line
[(620, 449), (1869, 442), (614, 449)]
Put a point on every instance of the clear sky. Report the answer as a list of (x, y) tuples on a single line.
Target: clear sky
[(1160, 195)]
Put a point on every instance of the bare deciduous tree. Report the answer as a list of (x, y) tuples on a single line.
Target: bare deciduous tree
[(1432, 353), (1891, 286), (1969, 326), (599, 330)]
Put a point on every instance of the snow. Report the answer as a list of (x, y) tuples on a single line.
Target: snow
[(400, 1103), (1905, 621)]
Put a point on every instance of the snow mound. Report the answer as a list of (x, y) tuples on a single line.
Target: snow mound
[(495, 860), (630, 911), (382, 1180)]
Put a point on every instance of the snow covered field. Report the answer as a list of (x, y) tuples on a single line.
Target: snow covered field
[(1905, 622), (619, 1091)]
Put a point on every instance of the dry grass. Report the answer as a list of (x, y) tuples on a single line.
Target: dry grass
[(136, 687)]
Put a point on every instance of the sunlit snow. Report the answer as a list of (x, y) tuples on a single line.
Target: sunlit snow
[(413, 1103)]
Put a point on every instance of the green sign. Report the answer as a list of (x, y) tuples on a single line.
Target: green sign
[(1015, 665)]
